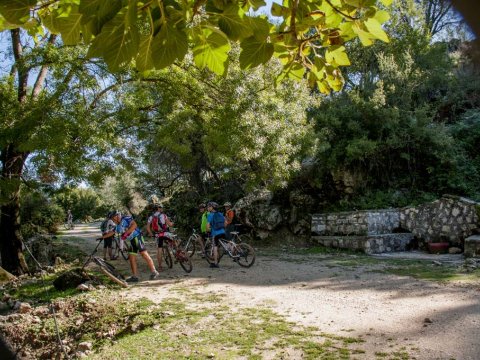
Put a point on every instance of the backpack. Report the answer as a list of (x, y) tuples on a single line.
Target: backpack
[(103, 226), (218, 221), (157, 225)]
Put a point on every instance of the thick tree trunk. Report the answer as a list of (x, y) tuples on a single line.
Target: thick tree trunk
[(10, 236)]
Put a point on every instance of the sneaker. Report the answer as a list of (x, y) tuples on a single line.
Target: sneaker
[(113, 258), (212, 265), (154, 275), (132, 279)]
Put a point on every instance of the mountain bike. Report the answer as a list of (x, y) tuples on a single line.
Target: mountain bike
[(105, 267), (192, 243), (119, 247), (242, 253), (171, 250)]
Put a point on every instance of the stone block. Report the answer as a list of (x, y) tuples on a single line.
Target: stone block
[(472, 246)]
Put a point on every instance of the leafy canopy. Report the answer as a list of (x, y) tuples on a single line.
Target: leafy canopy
[(309, 39)]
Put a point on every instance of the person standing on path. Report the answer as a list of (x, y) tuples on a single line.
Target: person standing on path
[(129, 231), (216, 226), (158, 225)]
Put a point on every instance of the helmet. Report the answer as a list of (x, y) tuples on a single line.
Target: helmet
[(157, 206), (202, 205), (229, 204), (113, 213), (212, 204)]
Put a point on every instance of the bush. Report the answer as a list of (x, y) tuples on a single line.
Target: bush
[(39, 214)]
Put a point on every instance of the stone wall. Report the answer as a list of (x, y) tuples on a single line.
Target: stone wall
[(370, 222), (370, 244), (450, 218)]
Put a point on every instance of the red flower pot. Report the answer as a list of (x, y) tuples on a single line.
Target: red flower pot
[(438, 248)]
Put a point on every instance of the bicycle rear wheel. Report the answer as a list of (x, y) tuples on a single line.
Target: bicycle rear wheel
[(110, 271), (244, 255), (209, 252), (167, 257), (189, 245), (184, 260)]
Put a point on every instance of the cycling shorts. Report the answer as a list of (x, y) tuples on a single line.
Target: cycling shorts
[(215, 239), (137, 245), (107, 242)]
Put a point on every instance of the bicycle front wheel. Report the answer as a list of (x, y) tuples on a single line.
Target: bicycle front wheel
[(244, 255), (110, 271), (184, 260), (189, 245), (117, 251)]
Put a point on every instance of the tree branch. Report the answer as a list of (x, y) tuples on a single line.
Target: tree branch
[(42, 75), (22, 73)]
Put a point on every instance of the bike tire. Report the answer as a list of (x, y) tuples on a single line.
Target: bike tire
[(110, 271), (184, 260), (189, 245), (167, 257), (209, 252), (244, 255), (66, 226), (117, 252)]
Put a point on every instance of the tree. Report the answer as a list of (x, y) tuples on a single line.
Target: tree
[(155, 34), (199, 129), (50, 124)]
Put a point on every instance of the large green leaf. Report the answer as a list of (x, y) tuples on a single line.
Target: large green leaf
[(336, 55), (234, 23), (211, 50), (376, 30), (169, 44), (255, 52), (364, 36), (260, 27), (70, 26), (117, 44), (144, 60), (16, 11), (98, 12), (5, 25)]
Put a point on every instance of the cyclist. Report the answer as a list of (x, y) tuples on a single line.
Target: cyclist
[(108, 233), (130, 232), (159, 223), (216, 225), (70, 219), (203, 226), (229, 215)]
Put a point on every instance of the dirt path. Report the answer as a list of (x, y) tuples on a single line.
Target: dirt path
[(427, 320)]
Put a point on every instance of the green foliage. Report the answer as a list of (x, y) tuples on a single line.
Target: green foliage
[(402, 132), (239, 128), (39, 214), (153, 35), (83, 203)]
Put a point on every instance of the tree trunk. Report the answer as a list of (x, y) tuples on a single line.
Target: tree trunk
[(10, 236)]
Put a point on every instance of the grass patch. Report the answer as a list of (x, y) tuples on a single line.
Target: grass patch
[(431, 272), (217, 331), (36, 290)]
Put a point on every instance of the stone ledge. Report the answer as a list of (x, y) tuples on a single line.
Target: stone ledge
[(472, 246), (371, 244)]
